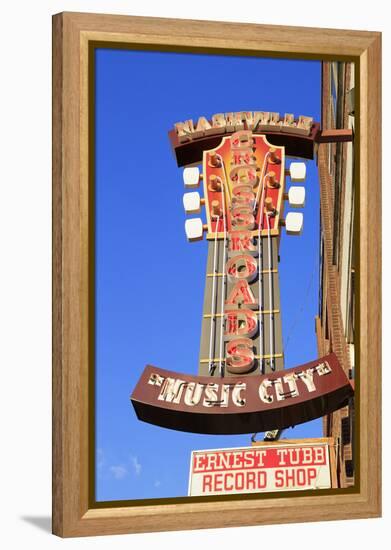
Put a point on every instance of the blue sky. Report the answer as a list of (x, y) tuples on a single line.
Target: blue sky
[(143, 258)]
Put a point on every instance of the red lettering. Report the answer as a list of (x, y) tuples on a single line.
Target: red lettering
[(226, 478), (242, 195), (262, 480), (251, 480), (239, 241), (312, 474), (301, 477), (279, 478), (242, 156), (239, 481), (241, 294), (241, 140), (244, 174), (242, 266), (240, 356), (241, 322), (295, 477), (289, 477), (218, 482), (242, 218), (206, 483)]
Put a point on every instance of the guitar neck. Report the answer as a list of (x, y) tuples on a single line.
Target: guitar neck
[(244, 182), (267, 340)]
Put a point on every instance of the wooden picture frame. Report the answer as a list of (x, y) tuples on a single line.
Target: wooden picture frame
[(74, 36)]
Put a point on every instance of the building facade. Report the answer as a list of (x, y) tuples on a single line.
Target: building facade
[(335, 324)]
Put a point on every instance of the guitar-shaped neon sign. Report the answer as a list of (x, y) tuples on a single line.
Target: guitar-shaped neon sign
[(242, 386), (244, 183)]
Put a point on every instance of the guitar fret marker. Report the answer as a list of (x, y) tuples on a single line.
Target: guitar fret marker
[(217, 359), (221, 274), (263, 312)]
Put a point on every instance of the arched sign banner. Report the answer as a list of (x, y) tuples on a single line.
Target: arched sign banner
[(296, 145), (298, 135), (240, 405)]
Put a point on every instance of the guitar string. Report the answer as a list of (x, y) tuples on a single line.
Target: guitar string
[(262, 177), (271, 305), (260, 276), (213, 319), (260, 251), (223, 282)]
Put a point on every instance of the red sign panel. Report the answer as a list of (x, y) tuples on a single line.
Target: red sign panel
[(283, 466), (245, 169)]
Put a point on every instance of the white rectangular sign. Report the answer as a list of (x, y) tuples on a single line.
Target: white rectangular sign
[(265, 467)]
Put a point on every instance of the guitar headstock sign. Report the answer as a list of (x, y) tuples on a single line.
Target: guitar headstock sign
[(242, 386)]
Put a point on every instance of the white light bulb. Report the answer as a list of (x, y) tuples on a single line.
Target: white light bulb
[(191, 177), (194, 229), (294, 223), (192, 203), (298, 171)]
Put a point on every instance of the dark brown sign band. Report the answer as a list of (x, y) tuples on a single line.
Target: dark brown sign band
[(239, 405), (296, 145)]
